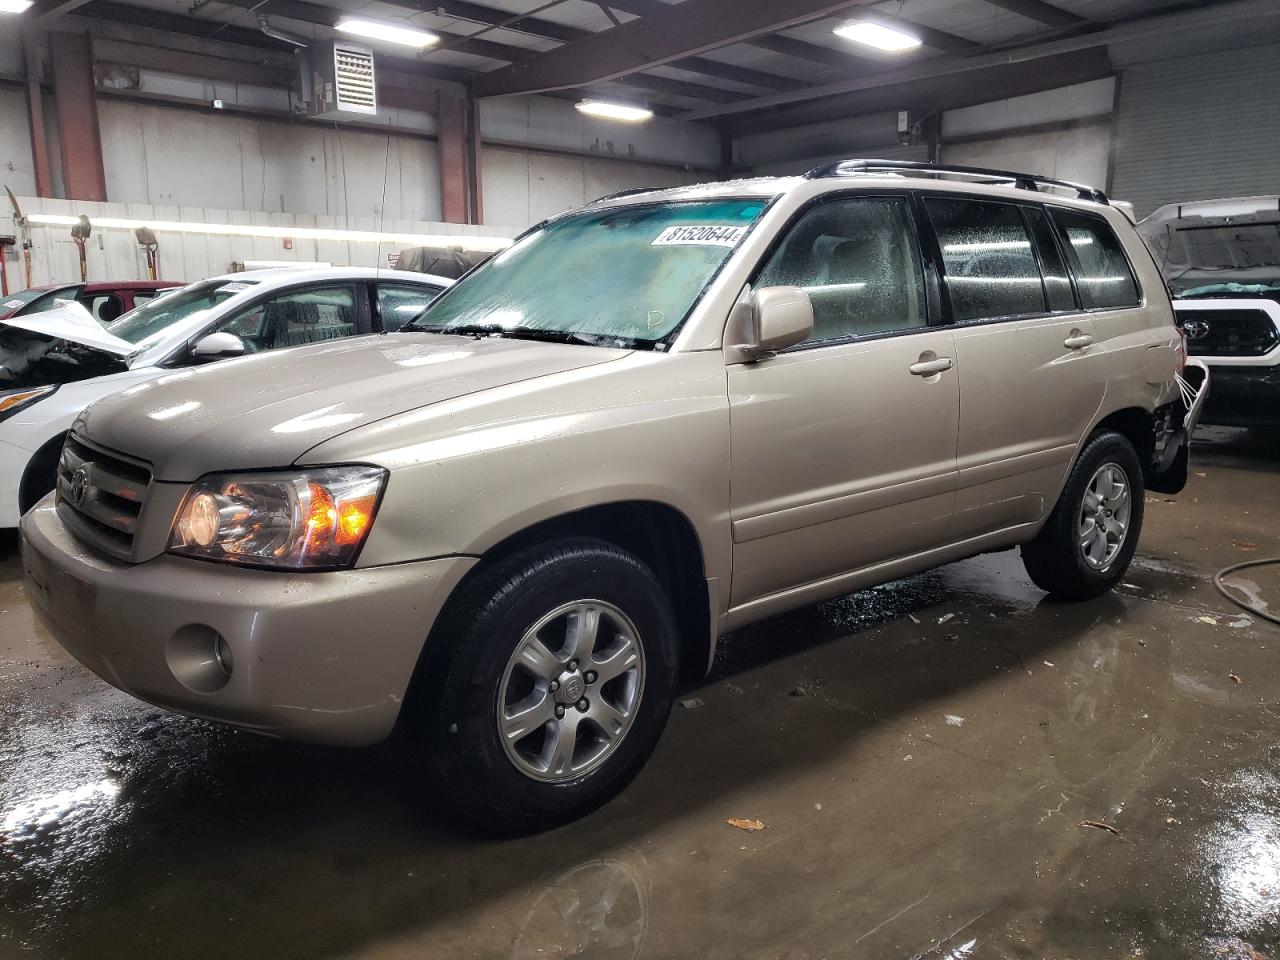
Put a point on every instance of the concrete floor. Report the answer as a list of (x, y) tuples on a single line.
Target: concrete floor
[(923, 784)]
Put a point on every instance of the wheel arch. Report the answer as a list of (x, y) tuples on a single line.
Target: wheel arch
[(657, 533), (1135, 425), (661, 536), (46, 455)]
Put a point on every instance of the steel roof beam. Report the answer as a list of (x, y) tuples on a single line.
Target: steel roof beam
[(664, 36)]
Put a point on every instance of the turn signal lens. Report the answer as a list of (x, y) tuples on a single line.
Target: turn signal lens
[(11, 401), (312, 520), (354, 518)]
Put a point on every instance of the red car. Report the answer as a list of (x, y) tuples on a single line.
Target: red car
[(105, 301)]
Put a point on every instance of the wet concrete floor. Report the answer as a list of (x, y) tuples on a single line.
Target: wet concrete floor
[(923, 756)]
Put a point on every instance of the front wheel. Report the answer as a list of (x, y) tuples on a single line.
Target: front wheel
[(1086, 544), (557, 681)]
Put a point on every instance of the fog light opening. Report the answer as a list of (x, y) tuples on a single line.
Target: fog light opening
[(222, 656), (199, 657)]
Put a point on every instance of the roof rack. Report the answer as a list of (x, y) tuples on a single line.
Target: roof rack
[(1023, 181)]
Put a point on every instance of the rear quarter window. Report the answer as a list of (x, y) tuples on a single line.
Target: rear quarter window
[(1103, 276)]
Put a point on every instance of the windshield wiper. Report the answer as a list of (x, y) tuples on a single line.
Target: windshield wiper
[(556, 336), (462, 329), (522, 333)]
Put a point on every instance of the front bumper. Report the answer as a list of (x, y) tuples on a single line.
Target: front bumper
[(1244, 396), (322, 657)]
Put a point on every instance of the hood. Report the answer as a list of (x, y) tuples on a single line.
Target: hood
[(268, 410), (57, 346), (1214, 248), (73, 323)]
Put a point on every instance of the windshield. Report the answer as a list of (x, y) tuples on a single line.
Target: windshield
[(1239, 258), (145, 324), (623, 275), (24, 297)]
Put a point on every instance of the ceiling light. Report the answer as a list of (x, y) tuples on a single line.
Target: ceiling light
[(466, 242), (374, 30), (614, 111), (14, 6), (877, 35)]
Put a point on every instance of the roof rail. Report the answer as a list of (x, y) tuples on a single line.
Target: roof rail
[(1023, 181), (623, 193)]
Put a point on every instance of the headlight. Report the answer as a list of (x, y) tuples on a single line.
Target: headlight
[(11, 401), (313, 519)]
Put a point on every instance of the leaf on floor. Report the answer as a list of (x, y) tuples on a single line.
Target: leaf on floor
[(1099, 825), (1244, 544), (1235, 678), (751, 826)]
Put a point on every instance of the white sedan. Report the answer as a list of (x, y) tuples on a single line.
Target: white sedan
[(54, 364)]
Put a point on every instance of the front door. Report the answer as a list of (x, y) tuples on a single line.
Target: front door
[(843, 448)]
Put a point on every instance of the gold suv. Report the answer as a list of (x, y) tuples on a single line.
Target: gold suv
[(521, 521)]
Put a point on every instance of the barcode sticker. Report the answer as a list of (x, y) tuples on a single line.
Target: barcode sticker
[(700, 235)]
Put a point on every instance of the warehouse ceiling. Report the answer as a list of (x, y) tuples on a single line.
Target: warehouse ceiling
[(744, 64)]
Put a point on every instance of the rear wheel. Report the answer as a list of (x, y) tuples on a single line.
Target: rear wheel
[(1088, 541), (557, 681)]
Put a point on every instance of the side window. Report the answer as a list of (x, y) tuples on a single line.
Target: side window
[(857, 260), (1102, 272), (990, 268), (397, 305), (1057, 284), (295, 318), (105, 307), (142, 296)]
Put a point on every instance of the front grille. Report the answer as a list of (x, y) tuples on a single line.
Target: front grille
[(100, 495), (1229, 333)]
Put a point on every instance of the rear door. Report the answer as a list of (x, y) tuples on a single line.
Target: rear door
[(1032, 374), (843, 447)]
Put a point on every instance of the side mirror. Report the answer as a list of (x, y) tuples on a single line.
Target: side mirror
[(781, 317), (217, 346)]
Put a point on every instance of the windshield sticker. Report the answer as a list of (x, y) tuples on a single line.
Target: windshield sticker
[(13, 303), (234, 287), (700, 235)]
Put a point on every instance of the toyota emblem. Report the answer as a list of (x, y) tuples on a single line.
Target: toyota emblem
[(574, 688), (1195, 329), (79, 486)]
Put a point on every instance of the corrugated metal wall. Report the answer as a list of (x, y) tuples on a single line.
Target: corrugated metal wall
[(1198, 128)]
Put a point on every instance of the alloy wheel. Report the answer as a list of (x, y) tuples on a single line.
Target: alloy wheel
[(571, 690)]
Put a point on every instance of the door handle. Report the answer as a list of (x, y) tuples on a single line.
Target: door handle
[(1078, 341), (927, 368)]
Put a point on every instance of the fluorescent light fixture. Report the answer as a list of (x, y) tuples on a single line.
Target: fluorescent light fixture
[(877, 35), (625, 112), (486, 244), (374, 30), (14, 6)]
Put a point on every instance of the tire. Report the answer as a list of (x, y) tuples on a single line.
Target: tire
[(1056, 560), (472, 658)]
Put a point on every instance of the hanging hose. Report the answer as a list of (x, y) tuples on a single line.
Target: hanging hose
[(1253, 609)]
